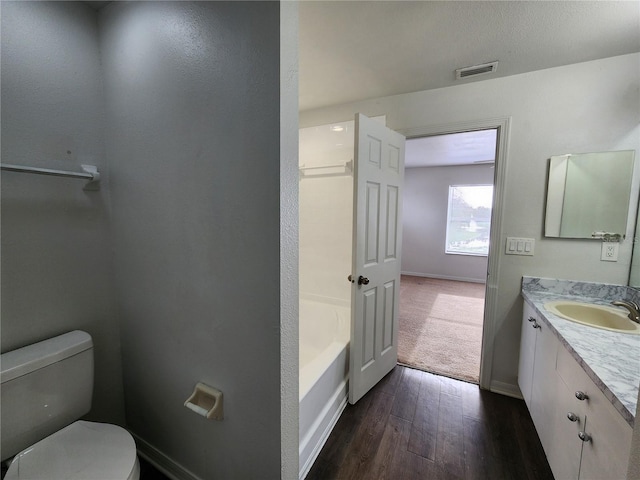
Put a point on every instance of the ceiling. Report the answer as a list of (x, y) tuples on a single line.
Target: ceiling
[(352, 51)]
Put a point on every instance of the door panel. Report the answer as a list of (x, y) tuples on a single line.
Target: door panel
[(372, 229), (368, 326), (389, 308), (378, 178), (392, 222)]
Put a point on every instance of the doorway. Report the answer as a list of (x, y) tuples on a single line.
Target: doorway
[(448, 199)]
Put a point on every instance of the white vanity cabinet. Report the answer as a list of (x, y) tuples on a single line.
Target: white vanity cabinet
[(583, 439), (527, 353), (536, 371), (604, 434), (566, 448)]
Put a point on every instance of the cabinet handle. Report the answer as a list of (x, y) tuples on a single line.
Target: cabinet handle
[(581, 395), (535, 324), (531, 319), (585, 437), (572, 417)]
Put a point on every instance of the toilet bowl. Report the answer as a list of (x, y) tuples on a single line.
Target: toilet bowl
[(45, 389), (80, 451)]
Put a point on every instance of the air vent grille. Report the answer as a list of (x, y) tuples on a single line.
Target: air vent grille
[(483, 69)]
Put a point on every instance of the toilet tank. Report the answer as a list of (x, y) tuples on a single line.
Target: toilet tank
[(44, 387)]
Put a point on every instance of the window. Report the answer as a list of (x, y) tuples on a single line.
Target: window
[(469, 219)]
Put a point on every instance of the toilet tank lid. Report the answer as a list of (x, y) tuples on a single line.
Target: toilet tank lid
[(27, 359)]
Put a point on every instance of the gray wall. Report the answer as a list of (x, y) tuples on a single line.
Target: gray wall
[(193, 141), (586, 107), (56, 253), (424, 222)]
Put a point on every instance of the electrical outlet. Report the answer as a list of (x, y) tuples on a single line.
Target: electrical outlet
[(609, 251)]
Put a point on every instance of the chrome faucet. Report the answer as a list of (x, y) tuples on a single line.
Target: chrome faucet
[(634, 310)]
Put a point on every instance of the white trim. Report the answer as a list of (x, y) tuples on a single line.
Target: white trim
[(493, 267), (445, 277), (466, 254), (506, 389), (159, 460), (339, 395)]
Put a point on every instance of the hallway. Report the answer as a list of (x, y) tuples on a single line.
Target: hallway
[(415, 425)]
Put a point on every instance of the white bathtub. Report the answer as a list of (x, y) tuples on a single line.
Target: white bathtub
[(324, 371)]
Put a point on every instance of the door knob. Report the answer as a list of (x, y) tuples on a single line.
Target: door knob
[(585, 437), (581, 396), (572, 417), (361, 280)]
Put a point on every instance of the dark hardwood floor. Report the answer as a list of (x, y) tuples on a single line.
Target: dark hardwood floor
[(418, 425), (149, 472)]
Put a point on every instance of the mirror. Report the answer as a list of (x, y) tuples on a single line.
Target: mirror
[(588, 194)]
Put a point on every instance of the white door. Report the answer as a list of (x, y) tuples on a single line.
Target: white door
[(375, 274)]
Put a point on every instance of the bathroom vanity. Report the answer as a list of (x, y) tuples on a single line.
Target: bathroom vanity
[(580, 383)]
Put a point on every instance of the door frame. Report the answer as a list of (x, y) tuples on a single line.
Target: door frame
[(502, 124)]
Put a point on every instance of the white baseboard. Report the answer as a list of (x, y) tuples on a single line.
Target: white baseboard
[(505, 389), (163, 463), (445, 277)]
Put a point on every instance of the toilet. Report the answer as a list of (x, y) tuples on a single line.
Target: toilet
[(45, 388)]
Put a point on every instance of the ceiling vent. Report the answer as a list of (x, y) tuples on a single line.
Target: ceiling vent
[(467, 72)]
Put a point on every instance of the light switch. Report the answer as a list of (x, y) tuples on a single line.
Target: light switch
[(520, 246)]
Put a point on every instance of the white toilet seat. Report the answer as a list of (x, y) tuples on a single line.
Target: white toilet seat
[(80, 451)]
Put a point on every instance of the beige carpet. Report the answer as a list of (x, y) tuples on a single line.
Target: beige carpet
[(440, 327)]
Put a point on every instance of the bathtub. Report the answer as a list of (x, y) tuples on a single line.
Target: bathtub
[(324, 372)]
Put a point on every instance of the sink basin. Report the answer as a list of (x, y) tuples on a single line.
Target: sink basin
[(598, 316)]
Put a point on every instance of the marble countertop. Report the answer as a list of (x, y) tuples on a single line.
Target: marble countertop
[(610, 359)]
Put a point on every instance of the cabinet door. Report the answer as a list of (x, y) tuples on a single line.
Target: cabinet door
[(527, 353), (544, 391), (606, 454), (566, 447)]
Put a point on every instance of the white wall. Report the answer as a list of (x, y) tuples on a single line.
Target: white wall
[(193, 141), (326, 224), (326, 213), (424, 223), (56, 252), (586, 107), (289, 243)]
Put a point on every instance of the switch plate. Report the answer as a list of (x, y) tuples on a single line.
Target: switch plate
[(520, 246), (609, 251)]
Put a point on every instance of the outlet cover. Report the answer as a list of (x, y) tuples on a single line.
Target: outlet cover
[(609, 251)]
